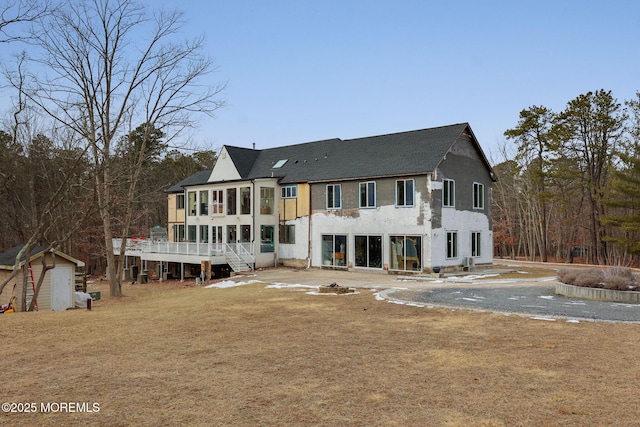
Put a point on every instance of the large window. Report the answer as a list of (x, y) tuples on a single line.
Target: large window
[(192, 203), (287, 234), (216, 230), (192, 230), (368, 250), (405, 253), (266, 238), (475, 244), (266, 200), (448, 193), (204, 202), (334, 196), (452, 244), (478, 196), (232, 234), (404, 192), (368, 194), (204, 234), (178, 232), (334, 250), (245, 237), (231, 201), (289, 191), (245, 200), (217, 200)]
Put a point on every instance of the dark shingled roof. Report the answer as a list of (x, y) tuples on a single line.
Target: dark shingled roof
[(8, 258), (195, 179), (403, 153)]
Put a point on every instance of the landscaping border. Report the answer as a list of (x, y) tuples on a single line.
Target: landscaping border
[(597, 294)]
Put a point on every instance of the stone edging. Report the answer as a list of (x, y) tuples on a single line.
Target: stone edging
[(598, 294)]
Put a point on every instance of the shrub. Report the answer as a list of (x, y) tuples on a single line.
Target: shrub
[(567, 275), (591, 278), (618, 283)]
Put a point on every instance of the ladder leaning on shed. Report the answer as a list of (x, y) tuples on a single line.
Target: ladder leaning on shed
[(31, 290)]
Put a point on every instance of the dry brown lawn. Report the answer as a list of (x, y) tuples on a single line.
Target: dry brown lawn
[(167, 354)]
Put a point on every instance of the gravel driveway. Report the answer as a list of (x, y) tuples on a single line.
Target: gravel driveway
[(536, 301)]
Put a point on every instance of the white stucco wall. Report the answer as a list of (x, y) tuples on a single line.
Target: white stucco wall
[(300, 249), (464, 223)]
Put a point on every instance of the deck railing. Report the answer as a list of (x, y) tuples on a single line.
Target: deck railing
[(141, 246)]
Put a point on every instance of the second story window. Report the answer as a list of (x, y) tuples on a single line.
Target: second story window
[(449, 193), (266, 200), (404, 192), (478, 196), (368, 194), (245, 200), (180, 201), (231, 201), (334, 196), (192, 203), (217, 206), (204, 202), (289, 191)]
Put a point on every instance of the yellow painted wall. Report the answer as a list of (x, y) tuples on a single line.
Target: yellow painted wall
[(175, 215), (298, 207)]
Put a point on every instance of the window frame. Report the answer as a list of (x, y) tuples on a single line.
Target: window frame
[(336, 199), (193, 203), (405, 193), (204, 204), (232, 201), (452, 244), (245, 200), (217, 202), (289, 191), (478, 196), (369, 192), (476, 244), (267, 198), (448, 193), (287, 234)]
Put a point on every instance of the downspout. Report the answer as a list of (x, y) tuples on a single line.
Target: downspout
[(253, 215), (309, 233)]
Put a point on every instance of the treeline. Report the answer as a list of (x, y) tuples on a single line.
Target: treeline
[(570, 188), (33, 170)]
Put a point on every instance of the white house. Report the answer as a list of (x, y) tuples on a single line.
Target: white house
[(403, 202)]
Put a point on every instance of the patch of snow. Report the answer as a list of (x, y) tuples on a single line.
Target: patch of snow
[(286, 285), (230, 284), (330, 293), (548, 319), (546, 296), (480, 276), (573, 321), (469, 299)]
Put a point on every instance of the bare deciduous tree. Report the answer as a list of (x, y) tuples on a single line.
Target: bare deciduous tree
[(101, 73)]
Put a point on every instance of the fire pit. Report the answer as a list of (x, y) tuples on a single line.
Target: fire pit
[(334, 288)]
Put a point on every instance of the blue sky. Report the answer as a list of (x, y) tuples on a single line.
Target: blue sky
[(300, 71)]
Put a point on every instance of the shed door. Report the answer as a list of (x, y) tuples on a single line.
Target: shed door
[(61, 295)]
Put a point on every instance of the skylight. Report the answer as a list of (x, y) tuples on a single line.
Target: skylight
[(280, 163)]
